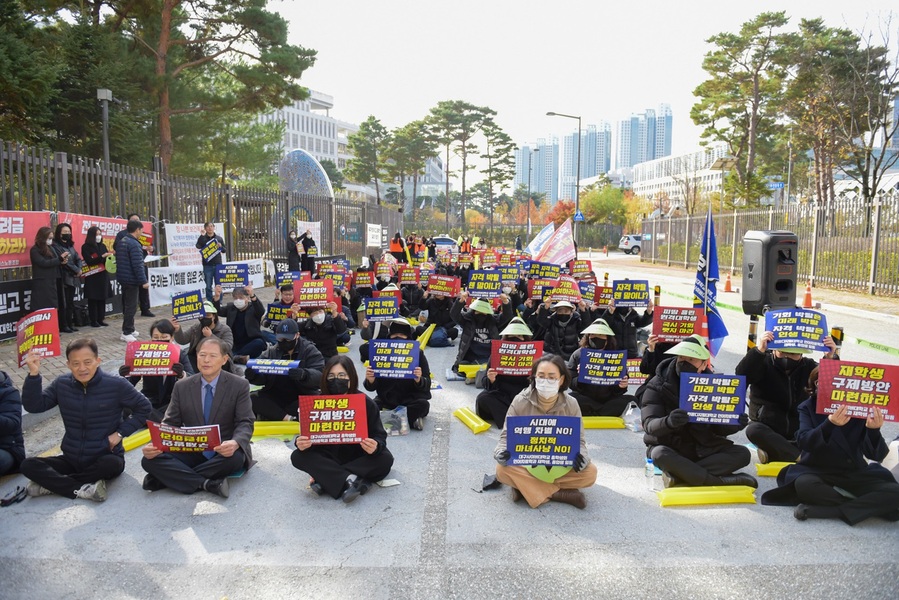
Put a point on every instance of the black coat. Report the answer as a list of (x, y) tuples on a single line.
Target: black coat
[(280, 386), (293, 256), (693, 440), (836, 454), (203, 240), (11, 438), (69, 273), (625, 322), (344, 453), (559, 339), (774, 394), (44, 273), (466, 320), (439, 309), (252, 316), (398, 392), (129, 256), (96, 287), (324, 336)]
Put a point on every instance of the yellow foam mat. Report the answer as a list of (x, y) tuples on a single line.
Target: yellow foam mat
[(425, 336), (471, 370), (603, 423), (136, 440), (471, 420), (771, 469), (712, 494), (343, 349)]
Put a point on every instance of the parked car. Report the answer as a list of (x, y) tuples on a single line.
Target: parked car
[(630, 244), (445, 240)]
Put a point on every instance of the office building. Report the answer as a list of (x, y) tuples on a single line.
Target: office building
[(644, 137)]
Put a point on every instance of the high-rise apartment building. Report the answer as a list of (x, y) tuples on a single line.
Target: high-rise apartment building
[(596, 144), (546, 169), (644, 136)]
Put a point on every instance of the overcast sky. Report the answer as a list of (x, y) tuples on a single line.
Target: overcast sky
[(603, 60)]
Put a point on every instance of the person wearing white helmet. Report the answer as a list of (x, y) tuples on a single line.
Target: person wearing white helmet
[(598, 400), (562, 326), (499, 390), (694, 454), (479, 325), (777, 382)]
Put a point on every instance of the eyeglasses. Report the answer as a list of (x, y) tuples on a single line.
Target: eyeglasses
[(542, 378), (332, 377)]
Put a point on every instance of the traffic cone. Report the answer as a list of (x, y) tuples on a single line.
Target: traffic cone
[(727, 287), (807, 302)]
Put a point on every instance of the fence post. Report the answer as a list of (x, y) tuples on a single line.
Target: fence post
[(668, 244), (230, 225), (875, 244), (770, 218), (814, 253), (61, 174), (154, 188), (689, 224)]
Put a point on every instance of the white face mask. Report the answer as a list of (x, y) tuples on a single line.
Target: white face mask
[(49, 241), (385, 278), (507, 290), (99, 238), (240, 304), (318, 318), (546, 388)]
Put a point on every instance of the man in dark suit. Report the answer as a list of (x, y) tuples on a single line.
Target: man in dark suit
[(213, 396)]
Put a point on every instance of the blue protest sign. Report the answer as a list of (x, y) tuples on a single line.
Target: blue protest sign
[(713, 399), (548, 440), (270, 366), (542, 270), (232, 276), (630, 293), (797, 328), (188, 306), (484, 284), (287, 278), (602, 367), (382, 308), (393, 359)]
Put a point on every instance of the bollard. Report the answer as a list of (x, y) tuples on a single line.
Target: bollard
[(837, 334), (753, 332), (605, 282), (657, 295)]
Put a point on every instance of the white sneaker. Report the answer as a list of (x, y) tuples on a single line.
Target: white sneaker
[(35, 489), (131, 337), (93, 491)]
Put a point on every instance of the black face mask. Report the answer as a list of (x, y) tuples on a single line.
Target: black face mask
[(338, 386), (563, 319), (683, 366), (206, 322), (286, 345), (65, 237), (786, 364), (596, 343)]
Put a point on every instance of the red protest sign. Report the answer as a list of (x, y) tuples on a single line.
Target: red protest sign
[(17, 231), (169, 438), (151, 358), (514, 358), (580, 269), (634, 375), (444, 285), (334, 419), (858, 386), (395, 293), (409, 275), (365, 279), (672, 324), (38, 331), (603, 295), (540, 288), (566, 290), (384, 269), (309, 294)]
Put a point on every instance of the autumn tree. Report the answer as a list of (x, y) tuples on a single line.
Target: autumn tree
[(367, 146)]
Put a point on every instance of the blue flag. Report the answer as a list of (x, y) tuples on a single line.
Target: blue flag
[(705, 292)]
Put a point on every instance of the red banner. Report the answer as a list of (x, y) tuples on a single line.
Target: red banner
[(334, 419), (151, 358), (108, 228), (540, 288), (566, 289), (859, 386), (169, 438), (603, 295), (316, 292), (409, 275), (38, 331), (580, 268), (672, 324), (634, 375), (383, 269), (365, 279), (559, 249), (17, 232), (444, 285), (514, 358)]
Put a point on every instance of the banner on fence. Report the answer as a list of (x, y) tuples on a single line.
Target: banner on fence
[(109, 227), (181, 243), (17, 232), (166, 282)]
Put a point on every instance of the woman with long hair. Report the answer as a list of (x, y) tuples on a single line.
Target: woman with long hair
[(45, 265), (345, 471), (96, 286), (69, 276)]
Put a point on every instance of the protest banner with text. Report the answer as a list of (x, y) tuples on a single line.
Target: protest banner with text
[(393, 359), (859, 387), (797, 328), (713, 399), (313, 293), (188, 305), (272, 366), (149, 358), (630, 293), (232, 276), (333, 419), (672, 324), (444, 285), (169, 438), (484, 284), (384, 308), (514, 358), (602, 367), (546, 440), (38, 331), (17, 232)]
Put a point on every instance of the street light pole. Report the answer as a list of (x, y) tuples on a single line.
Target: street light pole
[(530, 164), (104, 96), (577, 180)]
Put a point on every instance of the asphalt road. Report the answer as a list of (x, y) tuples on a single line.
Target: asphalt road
[(436, 535)]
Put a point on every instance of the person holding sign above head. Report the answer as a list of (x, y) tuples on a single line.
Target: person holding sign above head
[(479, 325), (96, 285), (244, 318), (413, 393), (833, 478), (499, 390), (277, 400), (323, 329), (597, 400), (439, 310), (694, 454), (206, 327), (345, 471), (211, 247), (90, 403), (561, 326), (777, 382), (158, 388), (547, 396), (625, 322), (212, 397)]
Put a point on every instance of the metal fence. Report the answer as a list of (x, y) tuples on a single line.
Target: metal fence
[(850, 244), (257, 220), (589, 235)]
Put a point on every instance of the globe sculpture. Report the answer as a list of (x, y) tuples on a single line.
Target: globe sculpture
[(300, 173)]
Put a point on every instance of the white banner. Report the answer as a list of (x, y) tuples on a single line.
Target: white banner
[(315, 227), (181, 241), (372, 235), (165, 282), (538, 242)]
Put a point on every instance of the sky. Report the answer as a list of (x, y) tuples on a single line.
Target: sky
[(602, 60)]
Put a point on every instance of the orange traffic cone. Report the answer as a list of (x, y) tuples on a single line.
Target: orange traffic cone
[(727, 286), (807, 302)]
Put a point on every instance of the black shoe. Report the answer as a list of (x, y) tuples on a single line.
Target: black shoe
[(74, 329), (151, 484), (316, 487), (66, 330), (104, 324), (358, 488), (801, 512), (146, 313), (219, 487), (739, 479), (95, 325), (418, 424)]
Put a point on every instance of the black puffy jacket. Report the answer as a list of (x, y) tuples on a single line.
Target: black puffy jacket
[(90, 413), (559, 339), (465, 318), (625, 322), (11, 438)]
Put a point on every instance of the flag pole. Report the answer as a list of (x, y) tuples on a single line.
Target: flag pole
[(708, 260)]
